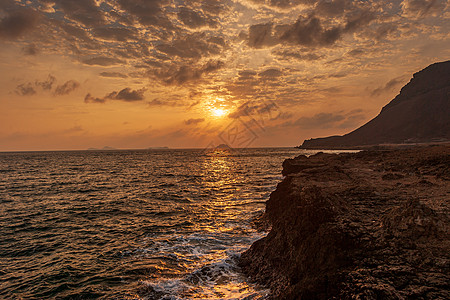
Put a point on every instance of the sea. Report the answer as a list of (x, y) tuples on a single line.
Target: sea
[(133, 224)]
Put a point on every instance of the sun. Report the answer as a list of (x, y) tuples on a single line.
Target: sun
[(218, 112)]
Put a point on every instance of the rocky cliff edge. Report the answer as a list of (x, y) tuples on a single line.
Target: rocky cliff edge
[(367, 225)]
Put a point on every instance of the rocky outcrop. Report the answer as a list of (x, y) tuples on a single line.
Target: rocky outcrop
[(419, 114), (367, 225)]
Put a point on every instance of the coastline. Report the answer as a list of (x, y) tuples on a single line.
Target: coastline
[(372, 225)]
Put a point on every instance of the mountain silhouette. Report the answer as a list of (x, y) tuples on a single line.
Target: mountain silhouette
[(419, 114)]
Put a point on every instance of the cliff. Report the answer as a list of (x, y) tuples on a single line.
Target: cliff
[(367, 225), (419, 114)]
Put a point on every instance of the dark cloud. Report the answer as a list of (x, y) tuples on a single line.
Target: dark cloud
[(6, 4), (28, 89), (30, 49), (66, 88), (421, 8), (113, 74), (194, 19), (194, 121), (127, 95), (389, 86), (115, 33), (194, 46), (358, 19), (183, 74), (46, 84), (330, 120), (84, 11), (103, 61), (73, 31), (158, 102), (147, 12), (320, 120), (385, 30), (17, 23), (353, 120), (260, 35), (25, 89), (247, 74), (332, 8), (296, 54), (310, 32), (90, 99), (356, 52), (271, 73), (258, 110), (214, 7)]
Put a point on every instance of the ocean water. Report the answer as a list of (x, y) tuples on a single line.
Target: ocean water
[(144, 224)]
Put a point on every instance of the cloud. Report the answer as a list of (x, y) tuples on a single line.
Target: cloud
[(171, 103), (87, 12), (194, 19), (194, 121), (289, 54), (90, 99), (258, 110), (66, 88), (115, 33), (193, 46), (126, 94), (28, 89), (103, 61), (309, 31), (18, 23), (260, 35), (113, 74), (30, 49), (271, 73), (331, 120), (46, 84), (25, 89), (320, 120), (147, 12), (389, 86), (422, 8), (332, 8), (185, 73)]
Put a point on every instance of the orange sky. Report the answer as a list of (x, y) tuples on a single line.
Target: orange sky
[(149, 73)]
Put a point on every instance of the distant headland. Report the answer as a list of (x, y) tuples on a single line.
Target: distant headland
[(419, 114)]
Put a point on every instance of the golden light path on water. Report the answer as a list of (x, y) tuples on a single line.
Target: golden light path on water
[(215, 275)]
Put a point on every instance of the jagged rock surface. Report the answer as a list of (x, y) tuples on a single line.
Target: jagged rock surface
[(419, 114), (368, 225)]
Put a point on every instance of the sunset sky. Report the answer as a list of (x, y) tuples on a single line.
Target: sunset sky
[(76, 74)]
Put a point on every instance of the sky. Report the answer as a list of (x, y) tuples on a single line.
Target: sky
[(76, 74)]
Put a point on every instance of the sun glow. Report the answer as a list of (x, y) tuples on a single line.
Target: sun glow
[(218, 112)]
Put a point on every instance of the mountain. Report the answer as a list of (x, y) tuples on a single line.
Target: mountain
[(419, 114)]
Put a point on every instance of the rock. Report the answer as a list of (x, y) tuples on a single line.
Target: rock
[(357, 226)]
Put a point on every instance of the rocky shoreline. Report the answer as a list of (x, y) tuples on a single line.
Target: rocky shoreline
[(367, 225)]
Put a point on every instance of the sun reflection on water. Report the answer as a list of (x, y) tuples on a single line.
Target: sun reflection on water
[(211, 271)]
